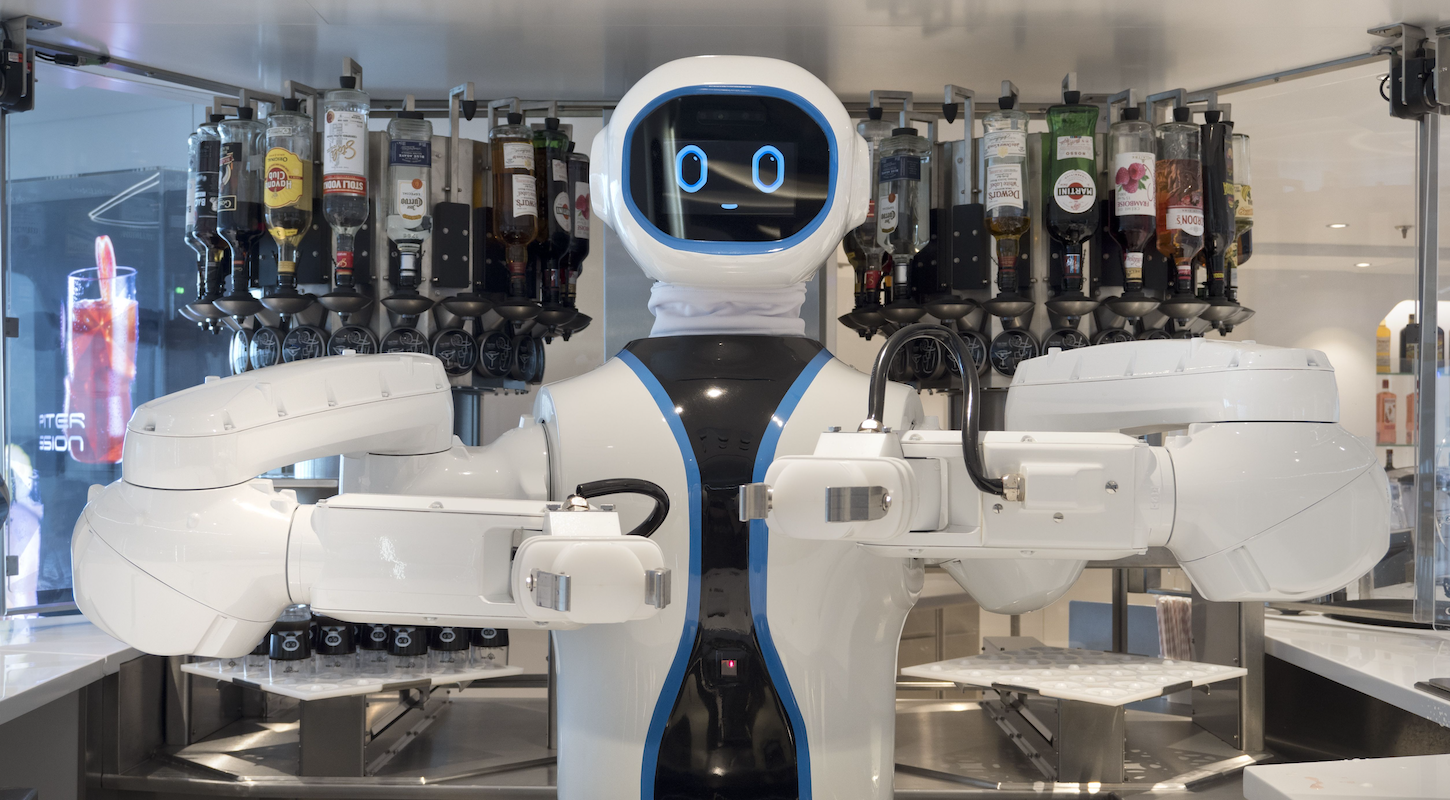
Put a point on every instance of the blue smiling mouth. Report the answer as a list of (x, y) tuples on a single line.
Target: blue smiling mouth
[(729, 206)]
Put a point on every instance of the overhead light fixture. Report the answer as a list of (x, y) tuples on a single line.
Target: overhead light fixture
[(1362, 264), (1338, 225)]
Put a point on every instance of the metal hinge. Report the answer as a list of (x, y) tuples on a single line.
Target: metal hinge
[(755, 501), (856, 503), (550, 590), (1014, 488), (12, 327), (657, 587)]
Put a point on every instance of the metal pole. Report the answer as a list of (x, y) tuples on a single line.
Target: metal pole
[(1120, 611), (4, 330), (553, 737), (1427, 209)]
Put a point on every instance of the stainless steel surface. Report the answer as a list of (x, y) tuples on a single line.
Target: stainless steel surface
[(1427, 209), (754, 501), (1231, 634), (1120, 611), (332, 737), (550, 590), (551, 739), (1089, 742), (657, 587), (856, 503)]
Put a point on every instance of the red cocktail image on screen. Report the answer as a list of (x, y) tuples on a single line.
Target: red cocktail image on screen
[(100, 351)]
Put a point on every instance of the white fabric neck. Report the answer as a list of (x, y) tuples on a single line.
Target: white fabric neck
[(694, 310)]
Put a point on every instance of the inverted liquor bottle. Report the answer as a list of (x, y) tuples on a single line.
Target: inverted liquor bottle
[(345, 186), (204, 151), (1179, 182), (903, 214), (515, 210), (1132, 208), (1009, 217), (578, 234), (862, 245), (1218, 212), (1070, 192), (1243, 209), (551, 245), (287, 196), (409, 220), (239, 206)]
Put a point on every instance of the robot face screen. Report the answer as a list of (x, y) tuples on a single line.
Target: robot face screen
[(729, 168)]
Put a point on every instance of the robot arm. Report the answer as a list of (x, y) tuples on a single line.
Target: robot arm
[(189, 554), (1259, 493)]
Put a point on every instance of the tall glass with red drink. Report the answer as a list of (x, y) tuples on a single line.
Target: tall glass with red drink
[(100, 358)]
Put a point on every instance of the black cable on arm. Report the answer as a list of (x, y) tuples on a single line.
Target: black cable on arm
[(971, 393), (653, 491)]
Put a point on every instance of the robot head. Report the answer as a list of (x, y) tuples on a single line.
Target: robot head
[(730, 171)]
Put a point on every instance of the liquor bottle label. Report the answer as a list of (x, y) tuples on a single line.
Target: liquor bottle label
[(1245, 198), (408, 153), (280, 130), (1185, 218), (581, 210), (230, 163), (1074, 191), (1133, 266), (1074, 147), (561, 171), (285, 184), (1005, 144), (896, 168), (562, 210), (196, 199), (518, 155), (526, 198), (410, 200), (1133, 189), (344, 145), (206, 180), (1004, 186), (886, 212)]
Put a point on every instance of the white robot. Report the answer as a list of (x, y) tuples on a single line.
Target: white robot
[(795, 536)]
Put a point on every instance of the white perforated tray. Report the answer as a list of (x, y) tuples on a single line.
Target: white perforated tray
[(315, 689), (1109, 679)]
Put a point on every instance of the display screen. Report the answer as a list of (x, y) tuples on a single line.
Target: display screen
[(719, 168)]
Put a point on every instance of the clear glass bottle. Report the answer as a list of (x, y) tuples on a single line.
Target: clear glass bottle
[(204, 156), (1069, 182), (488, 648), (1004, 147), (290, 646), (334, 649), (372, 645), (447, 649), (240, 220), (410, 213), (408, 650), (903, 204), (1243, 211), (1179, 189), (862, 246), (344, 171), (1133, 219), (287, 191), (515, 198), (579, 233)]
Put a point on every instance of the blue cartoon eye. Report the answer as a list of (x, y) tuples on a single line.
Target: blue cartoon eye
[(777, 160), (691, 150)]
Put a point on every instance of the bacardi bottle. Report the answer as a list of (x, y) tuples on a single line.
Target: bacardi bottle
[(240, 220)]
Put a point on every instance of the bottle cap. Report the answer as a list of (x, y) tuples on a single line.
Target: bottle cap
[(551, 123), (246, 113), (216, 117), (571, 148), (874, 112), (372, 636), (489, 637), (447, 639), (1212, 115), (1071, 98), (291, 104), (1131, 113), (410, 115), (262, 646), (1182, 114), (515, 118), (903, 131), (334, 637), (1387, 383), (347, 82), (290, 640), (407, 640)]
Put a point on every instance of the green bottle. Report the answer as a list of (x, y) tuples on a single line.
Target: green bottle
[(1069, 186)]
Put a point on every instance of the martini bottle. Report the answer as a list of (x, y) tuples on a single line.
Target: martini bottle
[(1071, 208)]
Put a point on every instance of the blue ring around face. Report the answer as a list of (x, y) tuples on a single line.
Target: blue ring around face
[(704, 168), (732, 248), (768, 150)]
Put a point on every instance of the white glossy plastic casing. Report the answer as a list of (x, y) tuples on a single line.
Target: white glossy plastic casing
[(229, 430), (1148, 386), (704, 264)]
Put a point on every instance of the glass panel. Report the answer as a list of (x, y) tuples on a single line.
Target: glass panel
[(96, 271)]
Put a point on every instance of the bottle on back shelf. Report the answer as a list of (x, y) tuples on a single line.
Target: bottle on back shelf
[(1385, 415), (1389, 460), (1409, 345), (1410, 418), (1382, 349)]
